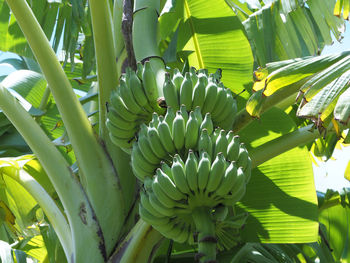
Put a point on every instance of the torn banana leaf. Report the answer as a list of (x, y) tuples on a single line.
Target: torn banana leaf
[(342, 5), (320, 108), (296, 70)]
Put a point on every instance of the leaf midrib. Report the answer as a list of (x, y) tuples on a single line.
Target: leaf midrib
[(194, 36)]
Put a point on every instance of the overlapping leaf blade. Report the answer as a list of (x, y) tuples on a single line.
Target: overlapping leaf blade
[(295, 29), (217, 40), (342, 6), (280, 197)]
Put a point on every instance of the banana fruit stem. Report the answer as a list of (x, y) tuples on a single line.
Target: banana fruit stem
[(138, 246), (206, 234)]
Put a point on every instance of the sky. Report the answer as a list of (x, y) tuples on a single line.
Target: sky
[(330, 174)]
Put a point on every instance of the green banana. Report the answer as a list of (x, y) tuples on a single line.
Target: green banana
[(170, 93), (174, 232), (219, 103), (230, 136), (192, 132), (118, 104), (124, 144), (217, 172), (243, 157), (191, 167), (138, 159), (139, 172), (146, 150), (217, 75), (198, 114), (169, 117), (207, 123), (155, 142), (150, 87), (161, 195), (123, 134), (166, 169), (193, 75), (157, 205), (233, 149), (220, 213), (177, 79), (203, 171), (165, 137), (240, 181), (128, 98), (215, 135), (236, 195), (221, 144), (205, 143), (229, 122), (183, 236), (147, 205), (178, 131), (151, 219), (228, 181), (228, 115), (118, 121), (139, 70), (138, 92), (155, 120), (186, 92), (184, 113), (179, 176), (210, 95), (168, 186), (199, 92), (203, 72)]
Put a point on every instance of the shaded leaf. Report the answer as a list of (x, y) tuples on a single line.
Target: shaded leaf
[(280, 196)]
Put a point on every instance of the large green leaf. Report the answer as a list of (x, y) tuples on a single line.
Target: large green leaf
[(335, 216), (217, 40), (322, 82), (281, 197), (286, 29)]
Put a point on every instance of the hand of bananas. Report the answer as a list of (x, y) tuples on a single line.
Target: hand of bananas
[(185, 155)]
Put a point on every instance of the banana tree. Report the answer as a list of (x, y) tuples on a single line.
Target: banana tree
[(172, 151)]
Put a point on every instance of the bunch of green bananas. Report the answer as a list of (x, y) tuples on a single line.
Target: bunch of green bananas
[(171, 195), (132, 104), (177, 133), (191, 165), (137, 97), (198, 89)]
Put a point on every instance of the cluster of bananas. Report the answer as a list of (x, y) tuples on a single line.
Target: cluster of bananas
[(175, 191), (137, 98), (198, 89), (132, 104), (186, 157), (177, 133), (185, 164)]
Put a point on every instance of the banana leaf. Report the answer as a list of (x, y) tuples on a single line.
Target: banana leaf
[(280, 196)]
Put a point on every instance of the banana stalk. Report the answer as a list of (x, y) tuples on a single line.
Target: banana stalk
[(49, 206), (85, 230), (96, 171), (138, 246), (105, 50), (144, 35), (206, 234)]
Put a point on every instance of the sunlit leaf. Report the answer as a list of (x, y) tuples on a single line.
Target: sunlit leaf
[(280, 197), (218, 41)]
